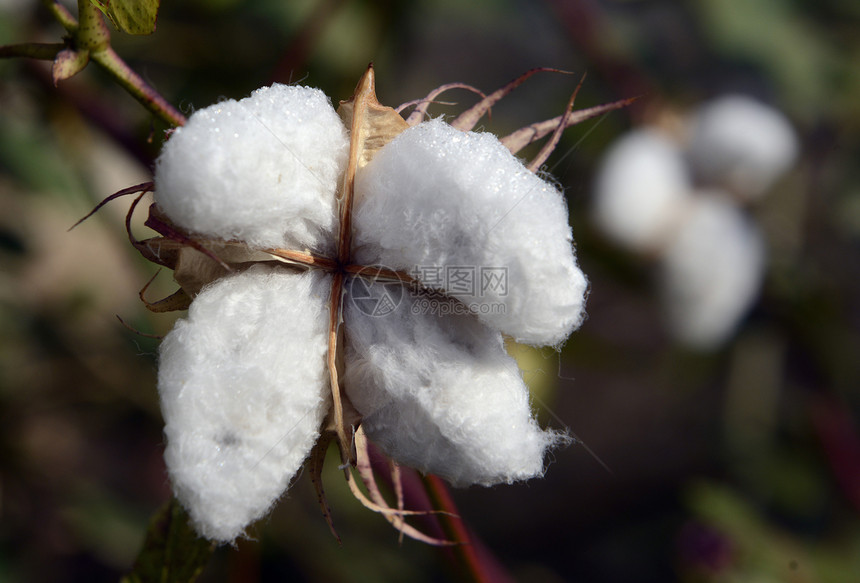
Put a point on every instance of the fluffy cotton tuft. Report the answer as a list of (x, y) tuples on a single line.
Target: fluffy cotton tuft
[(243, 386), (440, 202), (439, 393), (642, 189), (711, 271), (263, 170), (741, 144)]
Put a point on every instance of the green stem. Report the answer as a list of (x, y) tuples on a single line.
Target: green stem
[(92, 33), (139, 89), (63, 16), (44, 51)]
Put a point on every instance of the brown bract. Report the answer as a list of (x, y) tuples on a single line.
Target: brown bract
[(198, 261)]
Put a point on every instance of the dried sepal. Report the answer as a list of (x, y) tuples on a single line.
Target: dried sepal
[(550, 145), (371, 124), (159, 250), (421, 105), (315, 465), (178, 300), (469, 119), (142, 188), (195, 268), (378, 503), (159, 223), (524, 136)]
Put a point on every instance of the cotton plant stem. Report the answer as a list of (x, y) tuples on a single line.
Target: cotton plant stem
[(137, 87), (455, 530), (43, 51), (93, 34), (61, 14)]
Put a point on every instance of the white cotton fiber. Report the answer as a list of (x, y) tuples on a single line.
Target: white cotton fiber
[(740, 144), (244, 389), (712, 271), (263, 170), (641, 189), (458, 210), (439, 393)]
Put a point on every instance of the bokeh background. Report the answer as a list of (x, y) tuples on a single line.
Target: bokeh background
[(740, 463)]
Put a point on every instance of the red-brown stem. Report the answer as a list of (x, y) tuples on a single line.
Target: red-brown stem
[(455, 530)]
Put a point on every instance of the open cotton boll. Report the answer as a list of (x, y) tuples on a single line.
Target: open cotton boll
[(263, 170), (641, 190), (243, 386), (741, 144), (712, 271), (464, 215), (439, 393)]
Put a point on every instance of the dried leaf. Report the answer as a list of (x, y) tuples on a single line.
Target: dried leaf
[(69, 63), (131, 16)]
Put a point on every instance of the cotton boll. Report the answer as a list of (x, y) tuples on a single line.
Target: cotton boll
[(463, 215), (741, 144), (263, 170), (711, 271), (641, 189), (244, 389), (439, 393)]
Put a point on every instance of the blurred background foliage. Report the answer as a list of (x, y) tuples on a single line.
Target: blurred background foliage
[(739, 464)]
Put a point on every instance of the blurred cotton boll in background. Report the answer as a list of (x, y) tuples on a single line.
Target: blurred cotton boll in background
[(642, 187), (740, 144), (711, 270), (679, 200)]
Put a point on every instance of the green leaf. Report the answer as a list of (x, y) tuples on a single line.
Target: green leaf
[(172, 551), (131, 16)]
